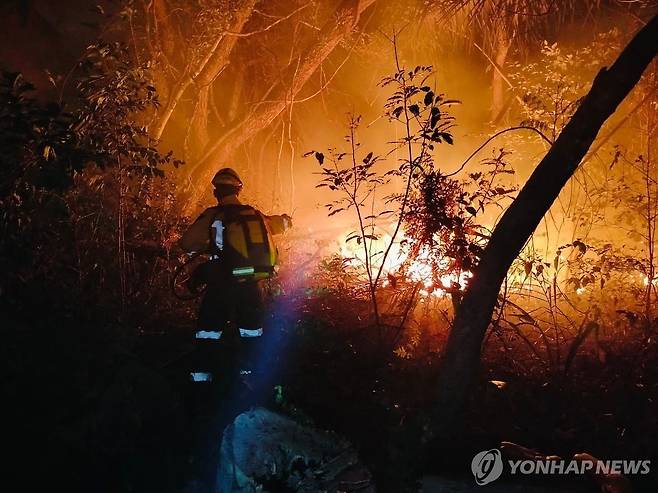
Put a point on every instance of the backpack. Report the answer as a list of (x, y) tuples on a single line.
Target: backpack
[(242, 241)]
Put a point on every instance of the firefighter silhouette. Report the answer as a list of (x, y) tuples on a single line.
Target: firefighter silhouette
[(242, 255)]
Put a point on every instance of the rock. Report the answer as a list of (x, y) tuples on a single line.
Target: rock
[(263, 451), (608, 482)]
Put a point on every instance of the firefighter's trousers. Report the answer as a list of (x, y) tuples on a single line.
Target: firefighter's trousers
[(229, 327)]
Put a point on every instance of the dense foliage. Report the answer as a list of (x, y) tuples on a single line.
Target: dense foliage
[(86, 217)]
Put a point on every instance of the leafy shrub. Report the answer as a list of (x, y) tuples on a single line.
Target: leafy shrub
[(75, 178)]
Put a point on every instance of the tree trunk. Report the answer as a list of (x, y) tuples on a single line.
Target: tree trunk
[(163, 26), (501, 48), (462, 353), (209, 67), (341, 24), (197, 135)]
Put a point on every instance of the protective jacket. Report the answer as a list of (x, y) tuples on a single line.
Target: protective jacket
[(197, 238)]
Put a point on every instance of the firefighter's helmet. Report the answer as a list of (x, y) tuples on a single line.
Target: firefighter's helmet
[(227, 176)]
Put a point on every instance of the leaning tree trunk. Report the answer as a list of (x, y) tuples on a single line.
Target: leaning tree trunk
[(203, 74), (166, 37), (342, 23), (197, 133), (501, 48), (462, 353)]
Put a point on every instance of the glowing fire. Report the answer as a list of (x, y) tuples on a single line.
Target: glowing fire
[(420, 270)]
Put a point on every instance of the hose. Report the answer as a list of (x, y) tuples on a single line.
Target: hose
[(194, 293)]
